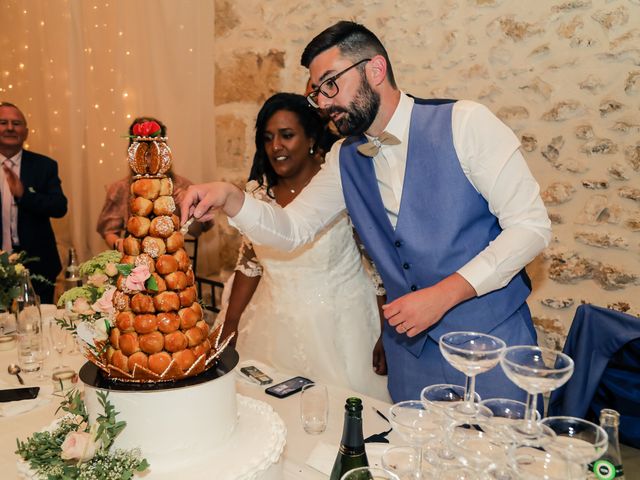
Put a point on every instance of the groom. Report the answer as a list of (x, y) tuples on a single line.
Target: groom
[(439, 194)]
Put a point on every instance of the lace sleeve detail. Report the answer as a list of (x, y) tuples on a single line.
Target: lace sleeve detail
[(248, 264)]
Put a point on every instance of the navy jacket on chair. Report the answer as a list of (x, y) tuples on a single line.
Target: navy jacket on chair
[(604, 345)]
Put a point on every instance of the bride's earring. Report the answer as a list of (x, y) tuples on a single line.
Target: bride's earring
[(311, 150)]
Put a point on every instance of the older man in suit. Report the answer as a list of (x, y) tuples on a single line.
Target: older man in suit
[(30, 194)]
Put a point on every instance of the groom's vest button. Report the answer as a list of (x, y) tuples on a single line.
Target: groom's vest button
[(413, 288), (398, 243), (405, 266)]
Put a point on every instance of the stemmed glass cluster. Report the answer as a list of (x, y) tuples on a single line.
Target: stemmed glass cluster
[(451, 430)]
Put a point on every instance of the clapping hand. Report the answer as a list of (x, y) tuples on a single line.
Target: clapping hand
[(15, 185)]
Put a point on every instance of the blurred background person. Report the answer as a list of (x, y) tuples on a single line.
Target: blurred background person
[(31, 194)]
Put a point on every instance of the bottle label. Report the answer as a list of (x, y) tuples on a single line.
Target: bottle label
[(351, 452), (605, 470)]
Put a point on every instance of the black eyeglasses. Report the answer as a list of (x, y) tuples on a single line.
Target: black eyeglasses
[(329, 88)]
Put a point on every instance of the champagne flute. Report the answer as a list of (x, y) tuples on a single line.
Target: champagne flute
[(59, 341), (471, 353), (536, 370)]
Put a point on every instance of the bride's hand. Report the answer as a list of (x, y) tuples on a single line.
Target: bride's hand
[(201, 201), (379, 358)]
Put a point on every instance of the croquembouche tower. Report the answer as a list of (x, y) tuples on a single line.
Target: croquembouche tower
[(159, 332)]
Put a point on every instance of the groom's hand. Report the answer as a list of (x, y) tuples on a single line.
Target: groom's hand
[(201, 201), (416, 311)]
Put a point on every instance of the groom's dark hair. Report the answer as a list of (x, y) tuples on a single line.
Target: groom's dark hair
[(354, 41)]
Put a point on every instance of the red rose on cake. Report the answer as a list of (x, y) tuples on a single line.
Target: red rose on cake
[(147, 129)]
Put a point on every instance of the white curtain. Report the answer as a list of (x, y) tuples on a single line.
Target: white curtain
[(82, 70)]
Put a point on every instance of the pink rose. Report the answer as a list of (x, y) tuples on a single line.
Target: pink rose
[(81, 305), (98, 279), (78, 446), (105, 303), (135, 280), (111, 269)]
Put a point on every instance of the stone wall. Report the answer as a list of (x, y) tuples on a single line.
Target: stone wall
[(565, 75)]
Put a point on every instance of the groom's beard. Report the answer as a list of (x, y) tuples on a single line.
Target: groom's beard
[(359, 114)]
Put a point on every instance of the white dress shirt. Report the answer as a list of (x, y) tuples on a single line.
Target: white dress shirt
[(9, 207), (489, 156)]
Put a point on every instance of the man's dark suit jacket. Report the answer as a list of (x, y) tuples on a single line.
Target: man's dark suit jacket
[(43, 198)]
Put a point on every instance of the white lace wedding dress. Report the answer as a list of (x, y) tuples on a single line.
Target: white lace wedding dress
[(314, 312)]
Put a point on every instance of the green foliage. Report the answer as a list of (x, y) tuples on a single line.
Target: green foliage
[(42, 450), (11, 268), (124, 269), (99, 263), (89, 292)]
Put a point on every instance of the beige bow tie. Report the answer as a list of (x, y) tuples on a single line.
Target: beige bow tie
[(371, 149)]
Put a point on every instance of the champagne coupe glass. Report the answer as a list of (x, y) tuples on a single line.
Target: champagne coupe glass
[(506, 413), (471, 353), (405, 463), (536, 370), (369, 473), (543, 464), (439, 399), (58, 341), (416, 425), (577, 440)]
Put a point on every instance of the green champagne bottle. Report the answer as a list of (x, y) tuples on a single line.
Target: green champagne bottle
[(609, 466), (351, 454)]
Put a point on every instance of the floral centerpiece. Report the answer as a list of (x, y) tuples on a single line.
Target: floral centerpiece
[(72, 448), (11, 267)]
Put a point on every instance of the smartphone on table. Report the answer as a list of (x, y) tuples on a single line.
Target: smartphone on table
[(288, 387), (14, 394)]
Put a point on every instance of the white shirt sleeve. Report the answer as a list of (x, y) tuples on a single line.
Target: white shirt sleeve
[(489, 155), (317, 205)]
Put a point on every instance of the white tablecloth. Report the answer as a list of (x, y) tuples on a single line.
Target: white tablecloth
[(299, 444)]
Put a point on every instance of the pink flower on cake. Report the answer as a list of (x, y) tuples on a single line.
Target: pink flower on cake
[(105, 303), (78, 446), (111, 269), (98, 279), (81, 305), (147, 129), (135, 280)]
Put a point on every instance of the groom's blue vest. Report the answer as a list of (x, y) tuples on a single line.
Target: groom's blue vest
[(443, 223)]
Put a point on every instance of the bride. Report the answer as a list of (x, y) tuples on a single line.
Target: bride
[(312, 311)]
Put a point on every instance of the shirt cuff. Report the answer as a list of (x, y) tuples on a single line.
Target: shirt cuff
[(479, 275), (248, 215)]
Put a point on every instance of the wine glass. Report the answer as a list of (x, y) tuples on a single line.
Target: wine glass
[(471, 353), (58, 341), (369, 473), (416, 425), (536, 370), (577, 440), (41, 354)]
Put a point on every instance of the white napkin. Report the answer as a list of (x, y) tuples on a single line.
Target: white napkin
[(9, 409), (324, 454)]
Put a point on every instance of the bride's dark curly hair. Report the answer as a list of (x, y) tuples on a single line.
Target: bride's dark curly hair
[(312, 123)]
